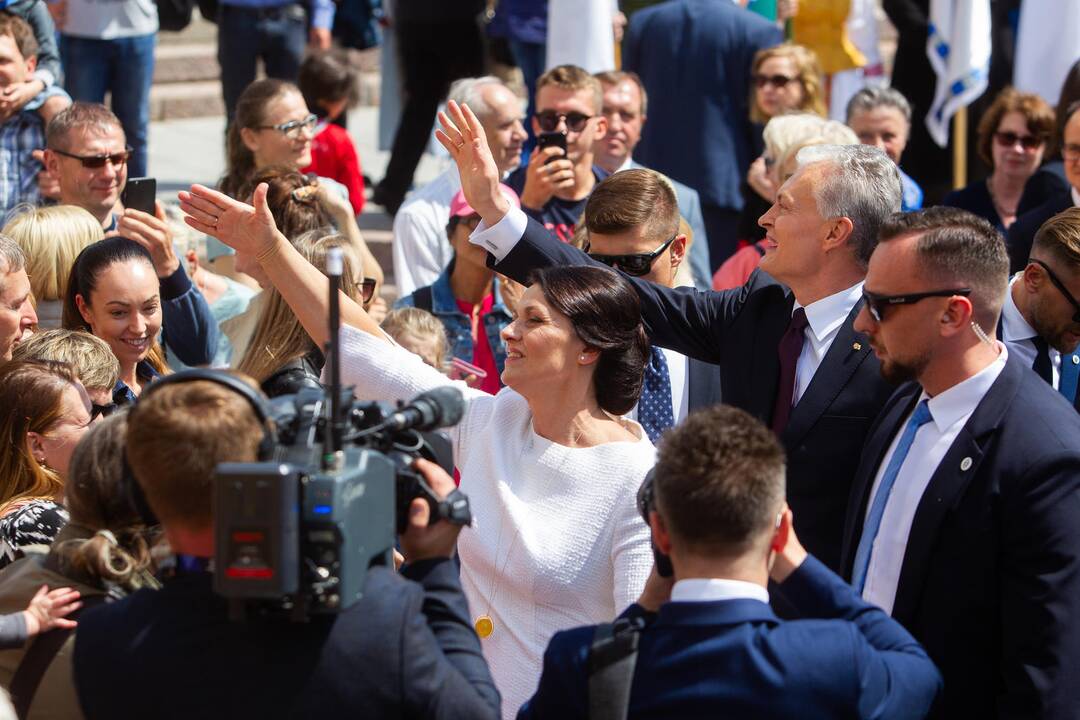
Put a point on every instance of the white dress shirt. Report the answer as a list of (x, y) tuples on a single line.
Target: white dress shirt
[(421, 250), (679, 372), (949, 411), (1018, 333), (824, 318), (713, 589)]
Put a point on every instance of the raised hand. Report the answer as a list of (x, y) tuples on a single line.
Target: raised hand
[(245, 228), (154, 234), (463, 137), (48, 610)]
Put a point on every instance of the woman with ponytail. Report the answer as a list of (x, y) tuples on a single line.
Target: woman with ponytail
[(103, 553)]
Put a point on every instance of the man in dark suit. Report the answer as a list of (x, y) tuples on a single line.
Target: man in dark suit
[(694, 58), (715, 648), (787, 352), (1022, 232), (962, 522), (632, 221), (1039, 320), (406, 649)]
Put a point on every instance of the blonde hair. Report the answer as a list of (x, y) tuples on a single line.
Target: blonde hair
[(785, 135), (51, 238), (807, 71), (90, 356), (279, 337), (421, 325)]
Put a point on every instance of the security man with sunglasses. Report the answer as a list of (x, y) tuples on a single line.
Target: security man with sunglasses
[(1040, 321), (962, 522)]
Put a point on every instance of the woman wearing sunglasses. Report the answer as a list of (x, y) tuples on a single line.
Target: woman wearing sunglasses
[(47, 410), (550, 467), (1014, 135), (281, 356)]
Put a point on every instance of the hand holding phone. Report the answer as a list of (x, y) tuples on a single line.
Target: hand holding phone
[(139, 194)]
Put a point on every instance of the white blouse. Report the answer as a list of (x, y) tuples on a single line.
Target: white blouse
[(556, 540)]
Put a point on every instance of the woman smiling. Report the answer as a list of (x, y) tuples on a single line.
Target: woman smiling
[(550, 467)]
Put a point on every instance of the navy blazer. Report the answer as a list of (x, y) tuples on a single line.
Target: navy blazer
[(735, 659), (990, 580), (1021, 234), (694, 59), (405, 650), (739, 330)]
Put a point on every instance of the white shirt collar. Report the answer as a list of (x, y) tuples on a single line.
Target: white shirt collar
[(713, 589), (1014, 327), (627, 164), (1075, 197), (959, 401), (826, 315)]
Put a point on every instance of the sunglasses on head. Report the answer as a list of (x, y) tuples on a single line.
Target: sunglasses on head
[(94, 162), (637, 264), (102, 410), (548, 120), (1028, 142), (876, 304), (1061, 288), (777, 81)]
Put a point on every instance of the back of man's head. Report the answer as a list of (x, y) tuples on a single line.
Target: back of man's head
[(859, 182), (20, 31), (630, 199), (177, 435), (956, 248), (573, 79), (720, 483), (92, 118)]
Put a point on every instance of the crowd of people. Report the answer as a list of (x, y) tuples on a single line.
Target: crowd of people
[(752, 425)]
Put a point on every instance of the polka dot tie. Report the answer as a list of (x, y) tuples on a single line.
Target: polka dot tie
[(654, 407)]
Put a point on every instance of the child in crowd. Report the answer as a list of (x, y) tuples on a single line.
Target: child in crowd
[(419, 332), (328, 84), (47, 610)]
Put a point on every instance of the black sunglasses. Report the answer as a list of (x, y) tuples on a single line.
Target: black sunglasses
[(549, 120), (94, 162), (1061, 288), (1028, 142), (876, 304), (777, 81), (102, 410), (637, 264)]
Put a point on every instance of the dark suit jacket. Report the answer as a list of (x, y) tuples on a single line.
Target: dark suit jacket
[(694, 58), (990, 580), (405, 650), (704, 381), (739, 330), (1022, 232), (735, 659)]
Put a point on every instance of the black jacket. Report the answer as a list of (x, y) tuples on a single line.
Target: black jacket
[(405, 650), (739, 330), (990, 579), (296, 375), (1022, 232)]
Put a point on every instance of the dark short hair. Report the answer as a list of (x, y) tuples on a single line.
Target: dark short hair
[(1059, 238), (1037, 113), (958, 248), (606, 314), (327, 76), (630, 199), (21, 32), (614, 77), (92, 117), (719, 480)]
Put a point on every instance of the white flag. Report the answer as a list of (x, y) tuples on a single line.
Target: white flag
[(959, 50), (1047, 45), (580, 33)]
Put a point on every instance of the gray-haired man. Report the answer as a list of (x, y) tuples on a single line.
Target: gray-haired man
[(16, 309)]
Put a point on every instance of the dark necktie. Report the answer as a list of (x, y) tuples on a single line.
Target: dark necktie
[(654, 407), (789, 350), (1042, 366)]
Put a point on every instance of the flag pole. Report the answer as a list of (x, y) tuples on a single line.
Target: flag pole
[(960, 142)]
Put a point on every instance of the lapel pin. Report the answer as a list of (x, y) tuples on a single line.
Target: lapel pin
[(858, 346), (1075, 360), (965, 464)]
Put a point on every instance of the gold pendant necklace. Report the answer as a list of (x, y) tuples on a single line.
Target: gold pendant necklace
[(484, 624)]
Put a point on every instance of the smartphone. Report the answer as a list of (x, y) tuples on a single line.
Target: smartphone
[(465, 369), (551, 139), (139, 194)]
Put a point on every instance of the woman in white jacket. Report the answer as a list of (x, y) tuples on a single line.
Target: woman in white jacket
[(549, 466)]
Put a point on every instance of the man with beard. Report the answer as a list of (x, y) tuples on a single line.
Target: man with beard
[(962, 520), (1041, 317)]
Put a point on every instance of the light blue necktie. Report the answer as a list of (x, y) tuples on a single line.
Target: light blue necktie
[(654, 407), (920, 417), (1069, 375)]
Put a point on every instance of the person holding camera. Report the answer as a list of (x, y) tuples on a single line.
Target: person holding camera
[(709, 645), (406, 649)]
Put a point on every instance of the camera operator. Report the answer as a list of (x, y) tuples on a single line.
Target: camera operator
[(406, 649)]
